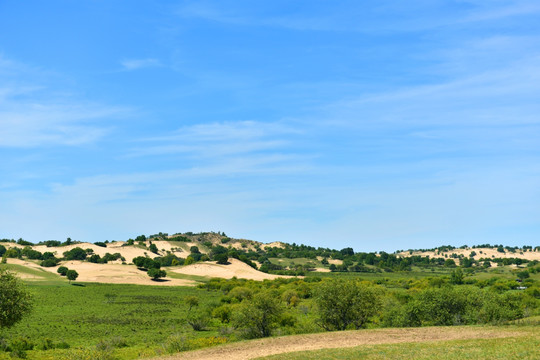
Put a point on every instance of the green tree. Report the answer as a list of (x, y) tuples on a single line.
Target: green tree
[(257, 318), (449, 263), (72, 275), (523, 274), (222, 259), (153, 248), (344, 304), (191, 301), (456, 277), (75, 254), (155, 273), (15, 300), (62, 270)]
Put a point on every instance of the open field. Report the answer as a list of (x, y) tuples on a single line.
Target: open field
[(473, 342), (107, 314), (89, 314)]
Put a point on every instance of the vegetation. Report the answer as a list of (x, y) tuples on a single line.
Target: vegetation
[(72, 275), (345, 304), (363, 290), (15, 300)]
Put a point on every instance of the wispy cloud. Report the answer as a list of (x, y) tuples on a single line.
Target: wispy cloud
[(218, 140), (36, 114), (375, 17), (136, 64)]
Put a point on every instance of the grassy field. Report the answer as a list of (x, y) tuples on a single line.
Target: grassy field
[(114, 321), (137, 318)]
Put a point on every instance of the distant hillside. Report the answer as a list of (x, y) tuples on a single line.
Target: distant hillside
[(277, 258)]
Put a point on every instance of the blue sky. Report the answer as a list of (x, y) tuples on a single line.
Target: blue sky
[(379, 125)]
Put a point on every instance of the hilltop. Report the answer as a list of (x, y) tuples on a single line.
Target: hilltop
[(190, 257)]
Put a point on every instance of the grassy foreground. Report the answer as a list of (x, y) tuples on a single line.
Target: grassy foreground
[(526, 347), (134, 320)]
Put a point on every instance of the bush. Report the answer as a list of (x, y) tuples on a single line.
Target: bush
[(223, 313), (75, 254), (49, 263), (344, 304), (13, 253), (258, 317), (198, 320), (156, 273), (15, 301), (72, 275), (62, 270), (222, 259), (153, 248)]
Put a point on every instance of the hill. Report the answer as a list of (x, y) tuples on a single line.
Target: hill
[(186, 257)]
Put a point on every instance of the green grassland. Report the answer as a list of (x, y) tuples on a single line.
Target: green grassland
[(140, 318), (120, 321), (523, 347)]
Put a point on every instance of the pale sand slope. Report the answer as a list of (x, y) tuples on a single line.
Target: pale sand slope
[(235, 268), (102, 273), (118, 274), (128, 252), (486, 253), (28, 264), (340, 339)]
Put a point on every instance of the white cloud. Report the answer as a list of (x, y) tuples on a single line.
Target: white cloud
[(136, 64), (34, 113), (218, 140)]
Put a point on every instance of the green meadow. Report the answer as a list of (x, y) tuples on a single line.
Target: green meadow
[(134, 320)]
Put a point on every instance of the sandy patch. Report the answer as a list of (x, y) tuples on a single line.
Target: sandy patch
[(340, 339), (486, 253), (235, 268), (335, 261), (128, 252), (118, 274), (277, 244), (28, 264)]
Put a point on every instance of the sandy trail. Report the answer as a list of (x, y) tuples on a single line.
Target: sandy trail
[(279, 345)]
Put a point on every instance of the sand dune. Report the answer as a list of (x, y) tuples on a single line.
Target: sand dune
[(480, 253), (235, 268)]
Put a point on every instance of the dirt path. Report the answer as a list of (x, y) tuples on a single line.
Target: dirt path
[(271, 346)]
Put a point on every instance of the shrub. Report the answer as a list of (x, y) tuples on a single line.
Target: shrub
[(176, 343), (343, 304), (222, 259), (49, 263), (62, 270), (75, 254), (72, 275), (258, 317), (15, 301), (13, 253), (223, 313), (153, 248), (156, 273), (198, 320), (192, 301)]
